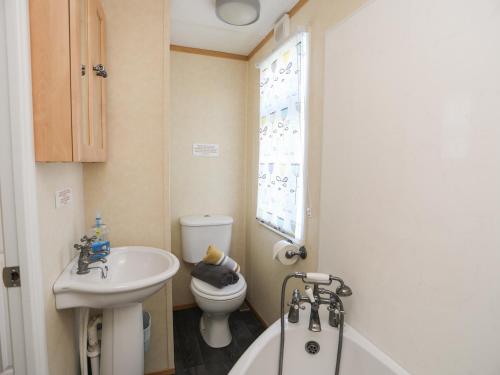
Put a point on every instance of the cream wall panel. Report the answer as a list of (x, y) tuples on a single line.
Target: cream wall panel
[(131, 188), (59, 230), (207, 106), (263, 274), (2, 245), (411, 180)]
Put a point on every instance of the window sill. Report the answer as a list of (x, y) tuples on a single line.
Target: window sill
[(281, 234)]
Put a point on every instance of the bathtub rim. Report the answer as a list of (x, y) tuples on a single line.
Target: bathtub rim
[(251, 354)]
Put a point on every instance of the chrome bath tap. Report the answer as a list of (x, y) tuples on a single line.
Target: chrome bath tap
[(316, 297), (295, 307)]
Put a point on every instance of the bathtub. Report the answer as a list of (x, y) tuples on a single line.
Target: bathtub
[(359, 356)]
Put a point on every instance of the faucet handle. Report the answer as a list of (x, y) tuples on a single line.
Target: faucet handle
[(88, 240), (296, 305), (309, 293), (83, 249)]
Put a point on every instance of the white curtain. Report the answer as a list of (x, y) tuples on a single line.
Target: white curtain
[(280, 201)]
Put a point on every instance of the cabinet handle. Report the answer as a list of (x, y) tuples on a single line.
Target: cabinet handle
[(100, 71)]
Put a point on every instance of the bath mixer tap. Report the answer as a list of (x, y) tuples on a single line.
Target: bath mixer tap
[(315, 297)]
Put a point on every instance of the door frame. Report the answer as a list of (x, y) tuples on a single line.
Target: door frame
[(25, 219)]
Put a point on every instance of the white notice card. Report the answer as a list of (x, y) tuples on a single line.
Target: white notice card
[(64, 197), (208, 150)]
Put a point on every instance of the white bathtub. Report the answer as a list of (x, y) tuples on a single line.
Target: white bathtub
[(359, 356)]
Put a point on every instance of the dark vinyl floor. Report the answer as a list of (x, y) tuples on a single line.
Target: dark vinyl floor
[(194, 357)]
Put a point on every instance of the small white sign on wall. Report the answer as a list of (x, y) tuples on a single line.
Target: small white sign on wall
[(207, 150), (64, 197)]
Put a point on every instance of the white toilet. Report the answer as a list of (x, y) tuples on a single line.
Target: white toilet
[(198, 232)]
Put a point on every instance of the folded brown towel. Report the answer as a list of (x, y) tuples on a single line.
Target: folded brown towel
[(218, 276)]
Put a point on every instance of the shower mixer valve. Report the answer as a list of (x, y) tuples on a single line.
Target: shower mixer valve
[(317, 296)]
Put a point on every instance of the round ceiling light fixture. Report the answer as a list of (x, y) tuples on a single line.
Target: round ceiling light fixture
[(238, 12)]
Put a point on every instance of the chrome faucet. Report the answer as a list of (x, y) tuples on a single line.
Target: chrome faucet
[(295, 307), (87, 257), (314, 297)]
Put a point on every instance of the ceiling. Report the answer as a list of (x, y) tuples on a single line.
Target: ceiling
[(194, 24)]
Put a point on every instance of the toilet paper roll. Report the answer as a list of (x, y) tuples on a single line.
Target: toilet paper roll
[(279, 250)]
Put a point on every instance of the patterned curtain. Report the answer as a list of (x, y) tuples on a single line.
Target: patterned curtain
[(280, 200)]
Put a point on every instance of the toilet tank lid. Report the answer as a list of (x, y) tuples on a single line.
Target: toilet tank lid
[(205, 220)]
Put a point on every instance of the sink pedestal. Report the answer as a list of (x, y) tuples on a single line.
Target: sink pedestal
[(122, 346)]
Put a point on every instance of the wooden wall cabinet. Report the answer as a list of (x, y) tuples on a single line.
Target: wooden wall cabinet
[(68, 60)]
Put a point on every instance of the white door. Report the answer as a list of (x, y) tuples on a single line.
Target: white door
[(12, 344), (5, 342)]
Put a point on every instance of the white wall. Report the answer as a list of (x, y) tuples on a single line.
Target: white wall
[(264, 276), (411, 180), (4, 100), (59, 230), (207, 106), (131, 190), (2, 246)]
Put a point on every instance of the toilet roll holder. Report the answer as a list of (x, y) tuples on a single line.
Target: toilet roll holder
[(301, 252)]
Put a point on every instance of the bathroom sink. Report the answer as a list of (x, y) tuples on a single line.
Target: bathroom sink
[(134, 273)]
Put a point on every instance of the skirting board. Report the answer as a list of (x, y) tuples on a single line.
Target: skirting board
[(170, 371), (184, 307), (261, 320)]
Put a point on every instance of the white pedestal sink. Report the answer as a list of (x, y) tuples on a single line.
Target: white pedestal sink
[(135, 273)]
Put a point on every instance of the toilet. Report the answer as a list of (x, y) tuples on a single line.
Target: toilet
[(198, 232)]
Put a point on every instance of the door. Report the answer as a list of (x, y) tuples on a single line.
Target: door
[(5, 344), (12, 344)]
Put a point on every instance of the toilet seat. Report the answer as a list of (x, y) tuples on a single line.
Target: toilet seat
[(208, 291)]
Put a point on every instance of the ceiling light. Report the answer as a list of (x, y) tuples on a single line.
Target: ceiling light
[(238, 12)]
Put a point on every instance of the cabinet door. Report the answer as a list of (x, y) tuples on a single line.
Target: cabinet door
[(50, 69), (95, 141), (82, 144)]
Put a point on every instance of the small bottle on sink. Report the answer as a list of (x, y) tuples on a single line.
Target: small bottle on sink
[(100, 230)]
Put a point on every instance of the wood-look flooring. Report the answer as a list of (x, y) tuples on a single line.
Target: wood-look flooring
[(194, 357)]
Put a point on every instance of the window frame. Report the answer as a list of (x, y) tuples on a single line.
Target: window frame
[(305, 75)]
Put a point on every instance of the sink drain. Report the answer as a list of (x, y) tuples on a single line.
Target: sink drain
[(312, 347)]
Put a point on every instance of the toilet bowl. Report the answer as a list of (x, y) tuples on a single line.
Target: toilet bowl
[(217, 304)]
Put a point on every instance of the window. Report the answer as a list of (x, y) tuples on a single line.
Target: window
[(282, 135)]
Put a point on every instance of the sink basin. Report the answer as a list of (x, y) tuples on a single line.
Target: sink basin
[(135, 273)]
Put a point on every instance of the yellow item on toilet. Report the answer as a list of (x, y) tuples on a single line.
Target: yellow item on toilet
[(217, 257)]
